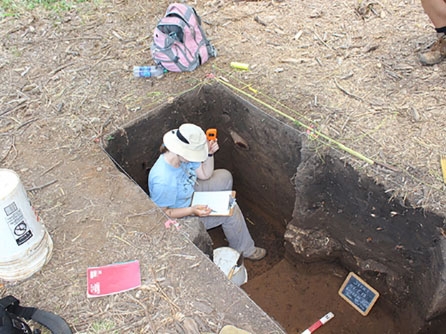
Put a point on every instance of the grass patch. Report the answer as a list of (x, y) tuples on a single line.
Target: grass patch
[(106, 326), (17, 7)]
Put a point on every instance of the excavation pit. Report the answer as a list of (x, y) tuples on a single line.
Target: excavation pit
[(318, 218)]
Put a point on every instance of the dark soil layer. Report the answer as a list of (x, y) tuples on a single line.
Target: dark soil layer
[(342, 216)]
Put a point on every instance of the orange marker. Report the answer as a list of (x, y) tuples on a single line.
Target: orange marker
[(211, 134)]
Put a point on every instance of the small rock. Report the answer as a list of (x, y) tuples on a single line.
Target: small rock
[(316, 14), (190, 326)]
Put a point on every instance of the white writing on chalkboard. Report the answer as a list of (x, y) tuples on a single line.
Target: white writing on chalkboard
[(358, 293)]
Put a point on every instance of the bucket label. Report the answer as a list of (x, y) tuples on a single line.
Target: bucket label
[(17, 224)]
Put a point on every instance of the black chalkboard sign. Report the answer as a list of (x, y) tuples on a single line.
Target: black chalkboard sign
[(358, 293)]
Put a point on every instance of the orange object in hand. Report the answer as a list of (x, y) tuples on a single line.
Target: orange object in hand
[(211, 134)]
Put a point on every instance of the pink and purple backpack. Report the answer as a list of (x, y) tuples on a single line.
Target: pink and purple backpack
[(179, 43)]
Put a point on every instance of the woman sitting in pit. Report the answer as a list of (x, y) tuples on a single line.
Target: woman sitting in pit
[(185, 165)]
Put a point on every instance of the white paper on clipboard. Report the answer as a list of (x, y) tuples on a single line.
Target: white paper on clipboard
[(221, 202)]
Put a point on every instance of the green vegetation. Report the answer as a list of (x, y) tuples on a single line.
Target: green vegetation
[(16, 7), (106, 326)]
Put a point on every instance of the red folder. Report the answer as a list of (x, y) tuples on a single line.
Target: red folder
[(113, 278)]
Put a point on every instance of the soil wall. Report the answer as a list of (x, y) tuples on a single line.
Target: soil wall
[(254, 146), (342, 216)]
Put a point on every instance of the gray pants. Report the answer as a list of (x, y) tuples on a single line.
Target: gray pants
[(234, 226)]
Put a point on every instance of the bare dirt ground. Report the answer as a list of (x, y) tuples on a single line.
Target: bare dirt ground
[(349, 68)]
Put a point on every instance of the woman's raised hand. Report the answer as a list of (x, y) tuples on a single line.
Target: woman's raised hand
[(213, 146)]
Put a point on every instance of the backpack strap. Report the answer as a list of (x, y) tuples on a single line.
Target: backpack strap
[(210, 48), (53, 322), (5, 322), (10, 323), (196, 14), (8, 301), (174, 59), (11, 304)]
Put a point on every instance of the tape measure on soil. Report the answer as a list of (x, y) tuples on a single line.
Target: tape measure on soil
[(358, 294)]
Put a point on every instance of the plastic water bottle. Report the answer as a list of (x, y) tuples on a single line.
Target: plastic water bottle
[(148, 71)]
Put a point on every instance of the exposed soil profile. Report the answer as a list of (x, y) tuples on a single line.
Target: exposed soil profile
[(298, 294), (317, 217)]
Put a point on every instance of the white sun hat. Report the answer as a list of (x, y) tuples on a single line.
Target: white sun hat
[(188, 141)]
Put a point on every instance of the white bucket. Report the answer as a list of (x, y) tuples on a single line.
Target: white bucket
[(25, 245), (226, 258)]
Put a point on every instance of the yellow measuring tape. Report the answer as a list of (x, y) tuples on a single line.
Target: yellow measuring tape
[(309, 128), (443, 168), (317, 135)]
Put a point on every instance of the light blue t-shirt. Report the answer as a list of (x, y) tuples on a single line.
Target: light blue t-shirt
[(172, 187)]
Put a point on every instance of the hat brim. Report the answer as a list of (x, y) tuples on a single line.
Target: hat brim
[(197, 153)]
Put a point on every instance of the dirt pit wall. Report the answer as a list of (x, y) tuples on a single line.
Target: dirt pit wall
[(345, 217), (334, 214), (261, 152)]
